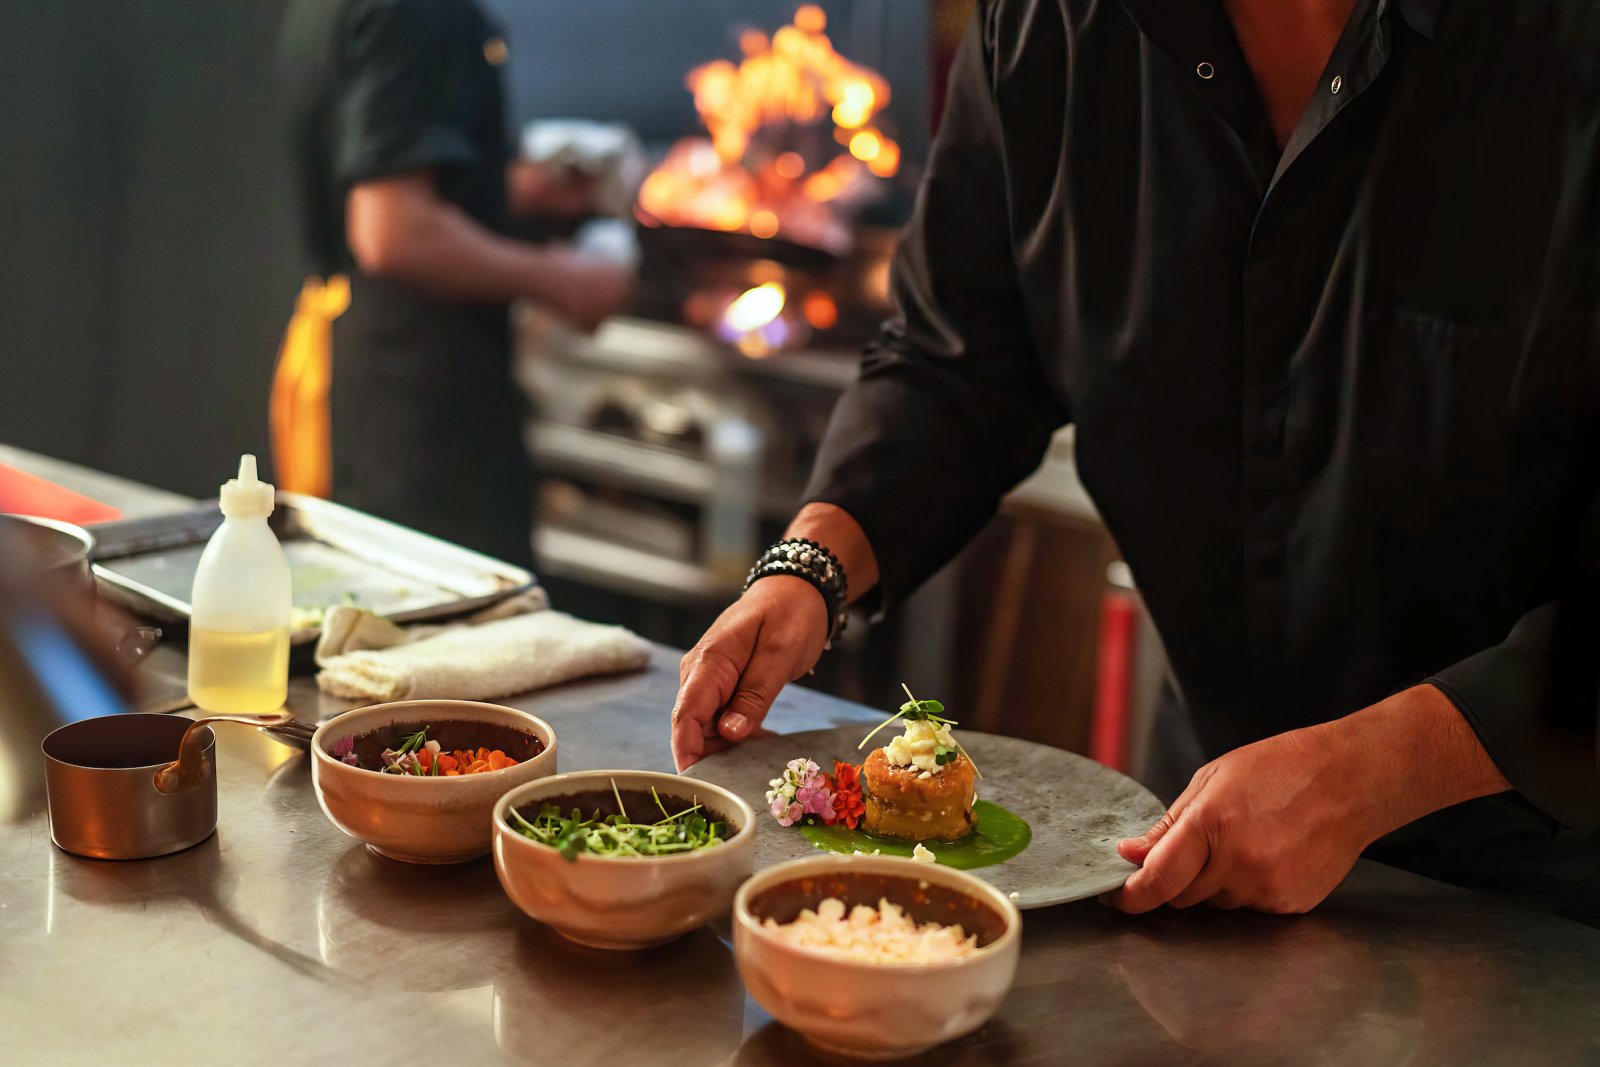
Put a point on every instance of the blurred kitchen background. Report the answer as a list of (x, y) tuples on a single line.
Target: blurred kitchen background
[(152, 261)]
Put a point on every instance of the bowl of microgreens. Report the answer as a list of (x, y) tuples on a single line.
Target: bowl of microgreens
[(417, 780), (622, 859)]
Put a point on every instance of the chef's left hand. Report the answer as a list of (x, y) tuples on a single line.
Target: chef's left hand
[(1277, 825)]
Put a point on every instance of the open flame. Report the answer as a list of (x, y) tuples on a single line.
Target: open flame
[(764, 170), (755, 322)]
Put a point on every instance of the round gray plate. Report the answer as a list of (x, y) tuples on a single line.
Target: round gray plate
[(1076, 807)]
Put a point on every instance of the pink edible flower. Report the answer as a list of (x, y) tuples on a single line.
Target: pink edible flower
[(787, 814), (815, 798), (802, 791)]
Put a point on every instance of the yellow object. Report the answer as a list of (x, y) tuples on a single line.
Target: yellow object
[(241, 673), (302, 436), (239, 605)]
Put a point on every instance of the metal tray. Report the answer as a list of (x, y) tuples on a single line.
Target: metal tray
[(336, 555)]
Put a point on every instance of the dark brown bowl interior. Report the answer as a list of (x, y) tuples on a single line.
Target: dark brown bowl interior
[(452, 734), (640, 805), (923, 901)]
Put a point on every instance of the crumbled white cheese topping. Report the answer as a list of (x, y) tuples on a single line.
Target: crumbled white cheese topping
[(915, 747), (923, 854), (885, 934)]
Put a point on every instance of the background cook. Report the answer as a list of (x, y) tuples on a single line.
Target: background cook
[(401, 153)]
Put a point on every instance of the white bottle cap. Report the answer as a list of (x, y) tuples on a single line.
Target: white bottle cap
[(246, 497)]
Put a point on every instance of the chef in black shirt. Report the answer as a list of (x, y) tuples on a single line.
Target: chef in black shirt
[(401, 154), (1318, 283)]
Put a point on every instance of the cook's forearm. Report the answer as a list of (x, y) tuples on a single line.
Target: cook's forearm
[(422, 241), (834, 528), (1411, 755)]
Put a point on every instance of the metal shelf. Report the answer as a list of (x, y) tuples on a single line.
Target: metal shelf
[(582, 558), (615, 461)]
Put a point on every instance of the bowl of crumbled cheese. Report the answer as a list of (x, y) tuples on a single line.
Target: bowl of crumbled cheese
[(875, 957)]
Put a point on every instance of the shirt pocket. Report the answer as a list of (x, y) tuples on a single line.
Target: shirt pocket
[(1448, 407)]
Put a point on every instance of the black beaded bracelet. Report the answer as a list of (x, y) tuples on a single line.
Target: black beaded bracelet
[(803, 558)]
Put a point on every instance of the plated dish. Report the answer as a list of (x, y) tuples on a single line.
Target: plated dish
[(379, 780), (1046, 821), (917, 789)]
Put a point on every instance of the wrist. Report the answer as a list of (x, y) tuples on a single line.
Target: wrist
[(1408, 756), (814, 564), (835, 528)]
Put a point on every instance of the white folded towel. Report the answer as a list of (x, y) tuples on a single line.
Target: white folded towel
[(368, 658)]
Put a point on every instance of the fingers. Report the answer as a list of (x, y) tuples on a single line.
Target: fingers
[(1170, 868), (1208, 887), (708, 679), (759, 685), (1135, 849)]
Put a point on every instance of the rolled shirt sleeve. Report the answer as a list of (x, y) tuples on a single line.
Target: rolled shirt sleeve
[(1534, 698), (398, 106), (952, 407)]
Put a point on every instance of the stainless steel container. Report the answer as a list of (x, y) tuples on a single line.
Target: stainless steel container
[(100, 777), (60, 552)]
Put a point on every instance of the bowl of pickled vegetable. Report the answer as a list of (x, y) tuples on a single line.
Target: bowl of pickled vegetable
[(417, 780), (622, 859)]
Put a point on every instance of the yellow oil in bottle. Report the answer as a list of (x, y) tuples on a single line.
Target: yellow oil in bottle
[(243, 673)]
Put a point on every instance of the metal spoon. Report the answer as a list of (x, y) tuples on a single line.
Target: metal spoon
[(190, 766)]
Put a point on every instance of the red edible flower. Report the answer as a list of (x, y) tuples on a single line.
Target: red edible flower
[(848, 807)]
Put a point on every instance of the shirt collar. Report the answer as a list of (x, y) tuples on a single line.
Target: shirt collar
[(1421, 15)]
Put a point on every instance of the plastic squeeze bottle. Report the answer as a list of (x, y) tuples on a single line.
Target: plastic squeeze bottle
[(239, 625)]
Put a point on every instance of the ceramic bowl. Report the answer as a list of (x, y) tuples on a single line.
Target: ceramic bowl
[(427, 819), (865, 1010), (620, 902)]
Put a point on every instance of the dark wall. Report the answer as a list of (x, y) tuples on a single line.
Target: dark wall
[(149, 260)]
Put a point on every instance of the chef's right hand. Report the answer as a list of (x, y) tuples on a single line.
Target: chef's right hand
[(770, 636), (587, 289)]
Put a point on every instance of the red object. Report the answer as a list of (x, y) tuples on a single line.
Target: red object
[(22, 493), (1113, 696), (848, 806)]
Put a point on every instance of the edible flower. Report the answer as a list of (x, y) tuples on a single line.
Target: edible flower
[(344, 750), (803, 793), (848, 805)]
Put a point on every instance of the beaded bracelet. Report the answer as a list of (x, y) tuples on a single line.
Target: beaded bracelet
[(806, 559)]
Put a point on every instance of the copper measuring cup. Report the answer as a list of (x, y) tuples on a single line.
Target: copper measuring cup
[(135, 786)]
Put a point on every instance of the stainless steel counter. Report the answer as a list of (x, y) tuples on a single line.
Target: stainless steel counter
[(280, 941), (297, 945)]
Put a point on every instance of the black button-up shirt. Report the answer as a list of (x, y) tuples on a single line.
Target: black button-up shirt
[(1337, 404)]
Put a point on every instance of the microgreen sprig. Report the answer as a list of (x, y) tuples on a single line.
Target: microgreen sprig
[(409, 747), (616, 835), (412, 743), (929, 711)]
